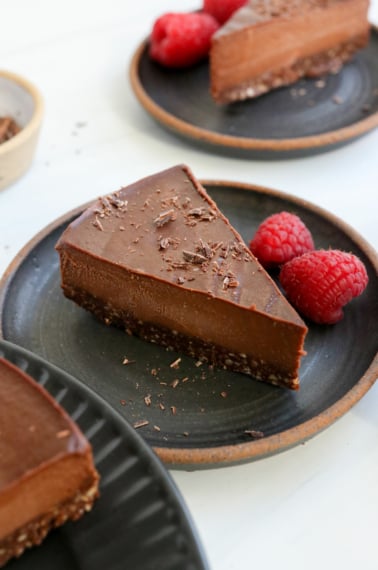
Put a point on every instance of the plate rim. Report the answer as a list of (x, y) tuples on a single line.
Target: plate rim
[(189, 131), (231, 454), (143, 450)]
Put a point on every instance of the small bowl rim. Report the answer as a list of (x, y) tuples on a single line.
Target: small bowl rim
[(36, 118)]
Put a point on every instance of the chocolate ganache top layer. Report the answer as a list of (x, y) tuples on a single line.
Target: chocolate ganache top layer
[(33, 428), (166, 226)]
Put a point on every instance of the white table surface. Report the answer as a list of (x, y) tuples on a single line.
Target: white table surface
[(315, 505)]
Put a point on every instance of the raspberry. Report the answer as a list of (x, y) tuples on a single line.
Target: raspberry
[(180, 40), (222, 10), (279, 238), (320, 283)]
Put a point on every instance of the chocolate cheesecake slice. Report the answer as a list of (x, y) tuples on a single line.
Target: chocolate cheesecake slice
[(271, 43), (160, 260), (47, 474)]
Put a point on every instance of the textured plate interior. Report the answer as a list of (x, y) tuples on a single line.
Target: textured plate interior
[(305, 118), (197, 416), (140, 521)]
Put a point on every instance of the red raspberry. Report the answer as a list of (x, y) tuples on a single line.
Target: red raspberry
[(279, 238), (320, 283), (180, 40), (222, 10)]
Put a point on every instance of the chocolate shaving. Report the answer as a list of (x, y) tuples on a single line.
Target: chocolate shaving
[(170, 201), (192, 257), (202, 213), (141, 423), (230, 282), (205, 250), (175, 363), (196, 212), (164, 217), (254, 433), (216, 245), (98, 224), (105, 202), (225, 251), (8, 129), (179, 265), (116, 202), (237, 247), (164, 243)]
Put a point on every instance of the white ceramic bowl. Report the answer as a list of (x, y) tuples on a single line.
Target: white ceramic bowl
[(22, 101)]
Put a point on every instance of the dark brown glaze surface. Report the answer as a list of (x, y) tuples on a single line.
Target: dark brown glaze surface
[(168, 228)]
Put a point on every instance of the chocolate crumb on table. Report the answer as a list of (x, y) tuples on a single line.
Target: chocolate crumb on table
[(8, 129)]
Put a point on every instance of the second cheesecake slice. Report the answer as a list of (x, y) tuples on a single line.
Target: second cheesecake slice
[(160, 260)]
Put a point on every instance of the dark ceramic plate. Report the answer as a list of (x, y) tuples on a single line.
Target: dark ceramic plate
[(140, 521), (207, 416), (299, 120)]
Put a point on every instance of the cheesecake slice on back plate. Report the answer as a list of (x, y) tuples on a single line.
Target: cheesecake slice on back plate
[(160, 260), (270, 43)]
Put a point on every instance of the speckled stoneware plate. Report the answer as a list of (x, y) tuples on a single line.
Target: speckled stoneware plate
[(193, 416), (306, 118), (140, 520)]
